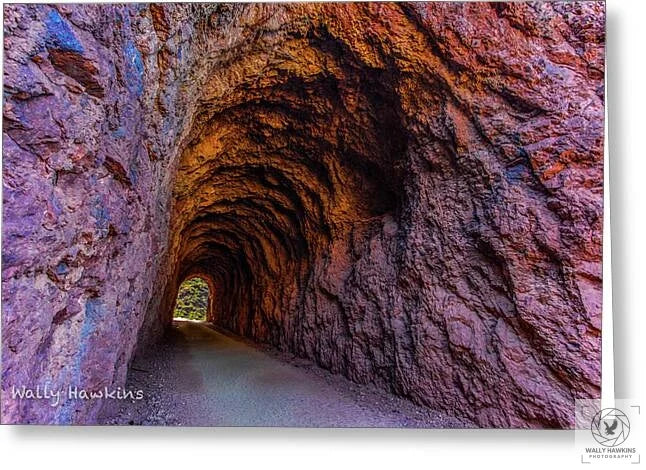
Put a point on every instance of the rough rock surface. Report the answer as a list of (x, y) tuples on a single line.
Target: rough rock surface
[(408, 194)]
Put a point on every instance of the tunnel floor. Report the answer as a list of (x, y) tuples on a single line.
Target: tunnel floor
[(203, 377)]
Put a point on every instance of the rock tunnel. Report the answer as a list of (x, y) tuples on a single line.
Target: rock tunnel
[(407, 194)]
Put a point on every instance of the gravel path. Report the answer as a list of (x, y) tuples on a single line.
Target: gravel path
[(201, 377)]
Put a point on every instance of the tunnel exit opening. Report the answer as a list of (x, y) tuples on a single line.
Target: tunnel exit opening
[(193, 300)]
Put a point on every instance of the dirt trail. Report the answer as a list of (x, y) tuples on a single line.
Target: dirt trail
[(201, 377)]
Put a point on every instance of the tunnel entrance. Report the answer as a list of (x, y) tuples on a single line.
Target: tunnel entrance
[(406, 194), (349, 201), (192, 301)]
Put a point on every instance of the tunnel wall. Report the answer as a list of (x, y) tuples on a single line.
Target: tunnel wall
[(97, 101), (407, 194)]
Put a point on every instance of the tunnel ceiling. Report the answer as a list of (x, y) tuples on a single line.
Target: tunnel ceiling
[(407, 194)]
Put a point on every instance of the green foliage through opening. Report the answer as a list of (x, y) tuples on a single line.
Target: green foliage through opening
[(192, 300)]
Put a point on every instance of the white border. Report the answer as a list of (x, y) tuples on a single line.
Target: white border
[(52, 448)]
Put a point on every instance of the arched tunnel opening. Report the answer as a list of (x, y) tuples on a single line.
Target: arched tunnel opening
[(261, 201), (276, 182), (194, 300), (406, 195)]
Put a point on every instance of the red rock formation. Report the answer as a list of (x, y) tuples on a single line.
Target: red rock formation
[(408, 194)]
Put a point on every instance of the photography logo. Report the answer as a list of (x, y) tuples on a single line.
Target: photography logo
[(610, 434), (610, 427)]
